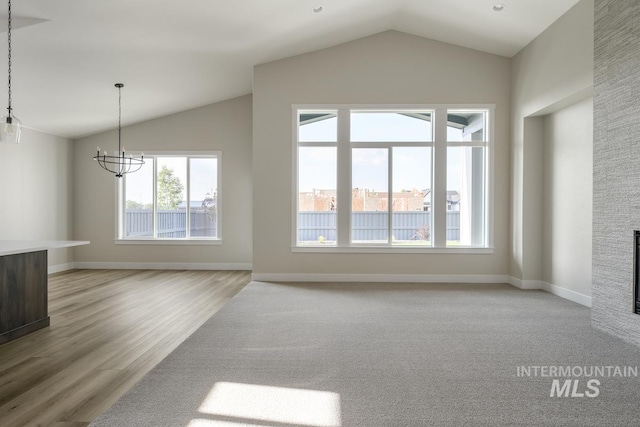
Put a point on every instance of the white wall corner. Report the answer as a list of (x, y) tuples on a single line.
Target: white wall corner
[(552, 289), (525, 284), (52, 269), (567, 294)]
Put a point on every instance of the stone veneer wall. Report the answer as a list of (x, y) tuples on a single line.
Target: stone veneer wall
[(616, 165)]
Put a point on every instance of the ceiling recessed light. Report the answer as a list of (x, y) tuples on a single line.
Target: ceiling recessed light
[(498, 7), (318, 9)]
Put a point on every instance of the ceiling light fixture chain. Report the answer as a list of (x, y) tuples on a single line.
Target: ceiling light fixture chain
[(119, 164), (10, 126)]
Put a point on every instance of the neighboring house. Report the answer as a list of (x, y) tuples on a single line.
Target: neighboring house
[(317, 201), (362, 200), (453, 200)]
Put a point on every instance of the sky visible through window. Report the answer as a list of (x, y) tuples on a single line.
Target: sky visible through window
[(320, 162)]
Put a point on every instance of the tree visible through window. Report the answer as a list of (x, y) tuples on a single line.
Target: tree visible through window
[(170, 189)]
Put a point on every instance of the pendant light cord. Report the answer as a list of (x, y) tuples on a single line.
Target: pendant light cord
[(9, 43), (119, 118)]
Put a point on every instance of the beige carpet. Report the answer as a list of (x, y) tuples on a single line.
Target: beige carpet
[(386, 355)]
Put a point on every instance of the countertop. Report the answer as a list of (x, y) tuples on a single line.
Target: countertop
[(12, 247)]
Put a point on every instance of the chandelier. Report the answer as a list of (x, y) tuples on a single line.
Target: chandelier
[(120, 164), (10, 126)]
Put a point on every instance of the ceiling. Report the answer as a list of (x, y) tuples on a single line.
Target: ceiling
[(173, 56)]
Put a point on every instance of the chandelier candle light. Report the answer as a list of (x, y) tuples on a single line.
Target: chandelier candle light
[(120, 164), (10, 126)]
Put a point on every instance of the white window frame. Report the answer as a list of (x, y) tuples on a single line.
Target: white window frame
[(439, 178), (153, 156)]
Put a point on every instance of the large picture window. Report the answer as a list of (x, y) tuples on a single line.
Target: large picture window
[(397, 178), (172, 197)]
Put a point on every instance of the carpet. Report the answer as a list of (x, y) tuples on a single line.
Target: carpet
[(345, 354)]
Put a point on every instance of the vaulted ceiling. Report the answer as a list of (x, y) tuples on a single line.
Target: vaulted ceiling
[(177, 55)]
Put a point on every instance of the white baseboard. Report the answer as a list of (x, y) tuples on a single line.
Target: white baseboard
[(524, 284), (392, 278), (552, 289), (425, 278), (59, 268), (161, 266), (567, 294), (318, 277)]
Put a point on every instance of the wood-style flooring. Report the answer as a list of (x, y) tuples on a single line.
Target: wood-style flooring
[(108, 329)]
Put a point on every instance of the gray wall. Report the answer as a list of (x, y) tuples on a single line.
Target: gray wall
[(554, 71), (616, 174), (36, 192), (225, 126), (568, 196), (387, 68)]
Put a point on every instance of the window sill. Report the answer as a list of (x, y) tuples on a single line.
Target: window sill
[(189, 242), (391, 250)]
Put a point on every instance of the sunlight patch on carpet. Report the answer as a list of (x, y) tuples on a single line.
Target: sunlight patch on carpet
[(200, 422), (251, 402)]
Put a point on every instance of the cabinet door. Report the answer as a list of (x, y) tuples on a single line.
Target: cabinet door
[(23, 289)]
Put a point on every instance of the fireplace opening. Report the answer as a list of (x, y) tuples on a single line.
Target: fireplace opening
[(636, 272)]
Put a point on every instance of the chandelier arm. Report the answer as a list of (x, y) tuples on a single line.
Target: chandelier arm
[(119, 165)]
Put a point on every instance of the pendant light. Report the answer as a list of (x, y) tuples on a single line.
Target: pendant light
[(120, 164), (10, 126)]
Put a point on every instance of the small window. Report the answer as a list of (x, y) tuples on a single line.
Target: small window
[(467, 142), (370, 195), (466, 125), (317, 203), (318, 126), (374, 126), (172, 197), (411, 221)]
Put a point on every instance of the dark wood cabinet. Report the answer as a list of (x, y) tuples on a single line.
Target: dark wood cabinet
[(23, 294)]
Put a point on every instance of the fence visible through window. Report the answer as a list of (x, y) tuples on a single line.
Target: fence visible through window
[(408, 227), (171, 224)]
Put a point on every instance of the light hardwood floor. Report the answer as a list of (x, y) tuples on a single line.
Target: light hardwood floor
[(108, 329)]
